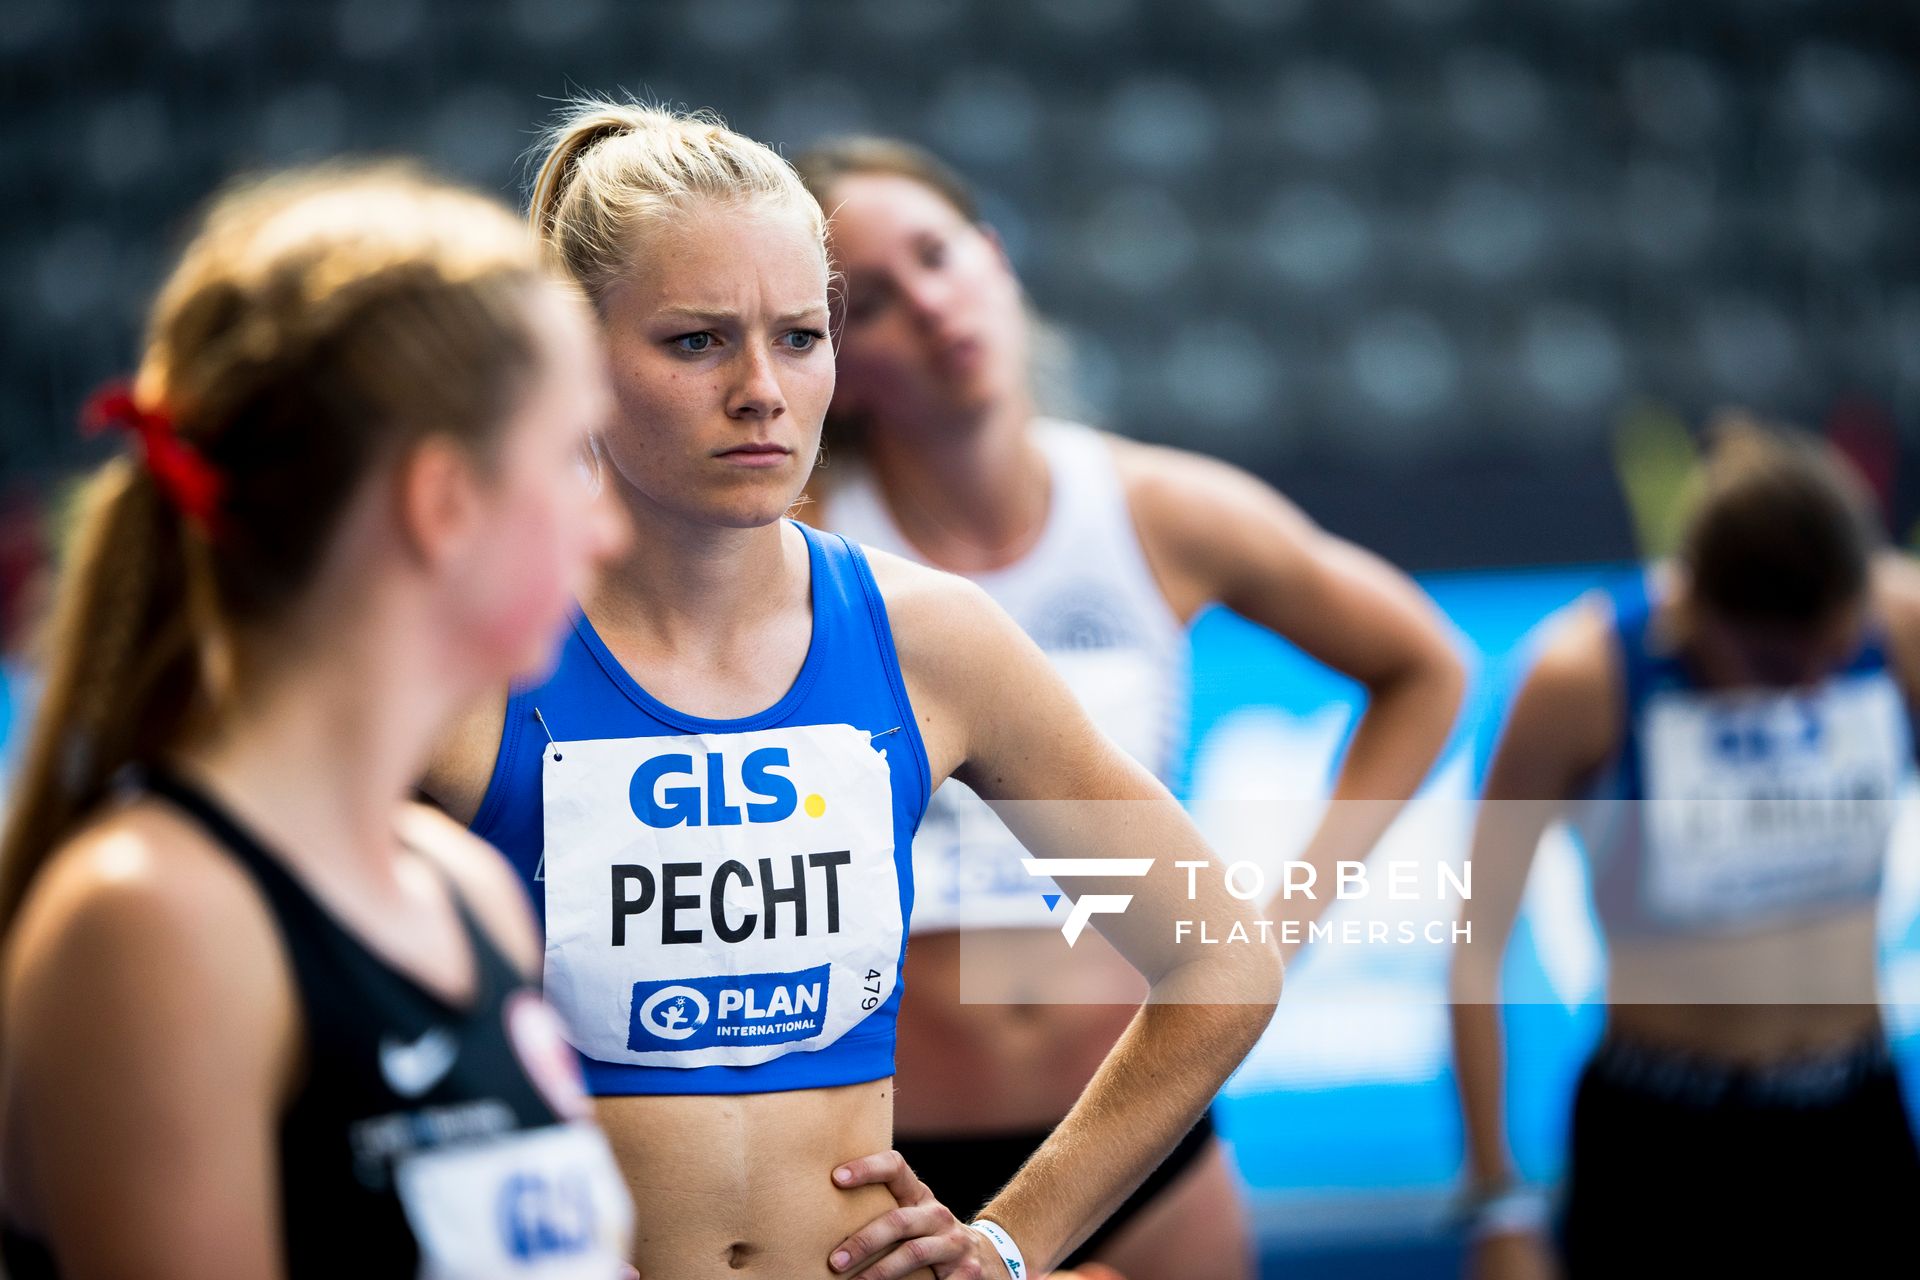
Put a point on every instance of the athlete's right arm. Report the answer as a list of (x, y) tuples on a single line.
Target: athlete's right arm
[(1563, 725), (462, 764), (994, 713), (152, 1035)]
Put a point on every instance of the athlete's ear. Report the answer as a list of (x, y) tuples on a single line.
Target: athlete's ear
[(436, 493)]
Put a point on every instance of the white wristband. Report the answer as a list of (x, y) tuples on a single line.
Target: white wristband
[(1003, 1245), (1518, 1210)]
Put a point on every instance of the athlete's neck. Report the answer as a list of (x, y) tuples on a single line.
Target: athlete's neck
[(714, 621), (317, 754), (683, 584), (968, 500)]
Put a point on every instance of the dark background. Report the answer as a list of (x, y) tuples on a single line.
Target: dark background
[(1415, 261)]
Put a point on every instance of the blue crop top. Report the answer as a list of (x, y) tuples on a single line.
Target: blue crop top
[(1727, 810), (725, 901)]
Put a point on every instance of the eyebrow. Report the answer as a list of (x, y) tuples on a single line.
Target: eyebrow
[(721, 315)]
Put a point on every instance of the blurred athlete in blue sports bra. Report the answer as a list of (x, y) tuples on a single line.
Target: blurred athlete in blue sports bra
[(1736, 728), (715, 793)]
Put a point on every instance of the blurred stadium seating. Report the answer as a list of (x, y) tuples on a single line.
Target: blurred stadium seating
[(1411, 258)]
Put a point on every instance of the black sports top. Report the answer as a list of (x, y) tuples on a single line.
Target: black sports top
[(423, 1138)]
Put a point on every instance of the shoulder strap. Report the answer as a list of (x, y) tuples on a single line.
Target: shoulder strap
[(492, 967), (307, 929), (1632, 602), (1093, 531), (289, 900), (842, 569)]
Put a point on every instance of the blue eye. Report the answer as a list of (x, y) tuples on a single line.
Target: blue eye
[(694, 343), (804, 339)]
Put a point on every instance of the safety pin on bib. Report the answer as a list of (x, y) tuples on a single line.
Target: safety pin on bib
[(543, 728)]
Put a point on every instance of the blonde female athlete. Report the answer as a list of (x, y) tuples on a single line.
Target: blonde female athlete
[(715, 793)]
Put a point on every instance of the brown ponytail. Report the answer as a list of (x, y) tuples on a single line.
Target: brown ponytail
[(317, 325), (121, 670)]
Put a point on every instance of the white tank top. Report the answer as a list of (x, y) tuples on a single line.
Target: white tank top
[(1088, 598)]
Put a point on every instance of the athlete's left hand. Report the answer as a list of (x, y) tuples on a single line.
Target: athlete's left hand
[(921, 1233)]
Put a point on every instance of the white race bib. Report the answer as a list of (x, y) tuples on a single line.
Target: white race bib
[(719, 899), (538, 1204), (1758, 803)]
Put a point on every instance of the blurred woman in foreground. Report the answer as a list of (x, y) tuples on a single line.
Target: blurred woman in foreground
[(263, 1016)]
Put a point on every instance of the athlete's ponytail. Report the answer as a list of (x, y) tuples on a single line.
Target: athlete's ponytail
[(318, 325), (586, 125), (611, 170), (120, 662)]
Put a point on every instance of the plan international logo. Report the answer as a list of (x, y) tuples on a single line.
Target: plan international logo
[(746, 1008)]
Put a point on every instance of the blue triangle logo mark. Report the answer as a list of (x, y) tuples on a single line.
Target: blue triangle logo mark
[(1051, 899)]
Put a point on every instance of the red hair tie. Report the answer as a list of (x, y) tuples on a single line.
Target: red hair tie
[(186, 478)]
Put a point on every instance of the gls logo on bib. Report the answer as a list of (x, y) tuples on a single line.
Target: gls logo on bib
[(775, 796), (533, 1204), (719, 899)]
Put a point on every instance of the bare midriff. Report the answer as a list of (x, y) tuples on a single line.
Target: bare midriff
[(742, 1184), (995, 1038), (1789, 992)]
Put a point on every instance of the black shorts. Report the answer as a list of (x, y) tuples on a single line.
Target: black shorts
[(1682, 1166), (966, 1172)]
